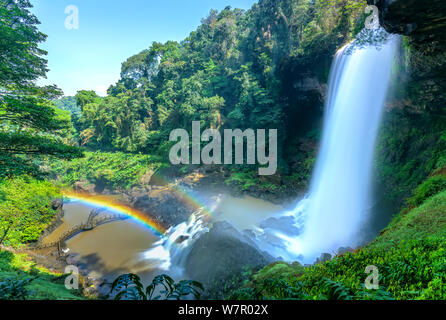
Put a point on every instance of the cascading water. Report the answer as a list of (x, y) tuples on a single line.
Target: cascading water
[(339, 199), (340, 189), (174, 246), (171, 250)]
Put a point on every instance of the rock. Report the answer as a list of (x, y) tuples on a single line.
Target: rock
[(181, 238), (57, 204), (324, 257), (283, 224), (311, 84), (164, 206), (71, 259), (343, 250), (84, 186), (220, 254), (138, 191), (422, 20), (145, 178)]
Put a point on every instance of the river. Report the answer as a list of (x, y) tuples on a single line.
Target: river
[(120, 247)]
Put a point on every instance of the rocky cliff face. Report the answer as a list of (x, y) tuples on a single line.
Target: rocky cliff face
[(424, 21), (410, 146)]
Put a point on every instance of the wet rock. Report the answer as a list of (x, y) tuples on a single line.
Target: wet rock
[(181, 239), (424, 21), (220, 254), (146, 177), (138, 191), (164, 206), (71, 259), (57, 204), (283, 224)]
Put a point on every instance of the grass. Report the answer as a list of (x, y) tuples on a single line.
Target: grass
[(427, 219), (45, 285)]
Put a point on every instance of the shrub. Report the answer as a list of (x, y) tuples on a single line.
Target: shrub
[(129, 287), (14, 289), (25, 209), (112, 170), (413, 269), (428, 188)]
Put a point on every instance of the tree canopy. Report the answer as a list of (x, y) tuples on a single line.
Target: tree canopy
[(30, 124), (238, 69)]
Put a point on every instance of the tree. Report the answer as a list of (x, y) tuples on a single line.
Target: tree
[(25, 209), (29, 123)]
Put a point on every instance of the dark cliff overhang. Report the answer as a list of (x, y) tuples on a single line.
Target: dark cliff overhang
[(424, 21)]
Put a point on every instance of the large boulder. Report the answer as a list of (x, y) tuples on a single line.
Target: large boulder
[(221, 254), (165, 206), (84, 186)]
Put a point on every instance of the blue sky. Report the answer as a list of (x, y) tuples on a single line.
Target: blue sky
[(111, 31)]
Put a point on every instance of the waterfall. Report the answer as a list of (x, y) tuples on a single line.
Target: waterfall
[(340, 187), (337, 206), (173, 247), (171, 250)]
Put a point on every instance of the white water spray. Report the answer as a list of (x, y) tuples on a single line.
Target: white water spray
[(171, 250), (340, 187), (338, 204)]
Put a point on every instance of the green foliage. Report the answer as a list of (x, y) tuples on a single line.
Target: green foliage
[(286, 271), (14, 289), (427, 219), (20, 38), (111, 170), (69, 104), (242, 180), (21, 278), (410, 148), (25, 209), (247, 179), (129, 287), (428, 188), (412, 269)]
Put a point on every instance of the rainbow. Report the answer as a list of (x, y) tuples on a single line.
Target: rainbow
[(191, 200), (115, 206), (187, 197)]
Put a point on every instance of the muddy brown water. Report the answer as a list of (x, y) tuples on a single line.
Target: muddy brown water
[(117, 247)]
